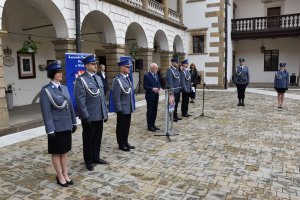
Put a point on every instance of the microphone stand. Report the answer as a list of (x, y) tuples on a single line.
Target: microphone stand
[(203, 100)]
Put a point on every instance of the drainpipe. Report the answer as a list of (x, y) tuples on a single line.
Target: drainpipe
[(226, 43), (77, 19)]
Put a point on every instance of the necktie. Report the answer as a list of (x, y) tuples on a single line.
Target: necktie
[(96, 81), (128, 80), (59, 88), (154, 75)]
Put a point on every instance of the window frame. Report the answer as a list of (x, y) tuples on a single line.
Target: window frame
[(197, 32), (273, 66)]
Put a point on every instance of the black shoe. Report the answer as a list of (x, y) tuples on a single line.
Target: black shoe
[(70, 182), (59, 183), (175, 120), (178, 118), (151, 129), (185, 115), (239, 104), (124, 148), (243, 104), (192, 102), (156, 128), (130, 146), (100, 161), (90, 167)]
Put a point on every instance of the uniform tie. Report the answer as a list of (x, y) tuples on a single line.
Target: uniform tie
[(128, 80), (96, 81), (59, 88)]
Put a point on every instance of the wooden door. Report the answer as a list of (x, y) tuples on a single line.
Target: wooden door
[(274, 22)]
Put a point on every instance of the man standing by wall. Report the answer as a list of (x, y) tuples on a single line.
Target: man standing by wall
[(123, 103), (186, 88), (90, 99), (103, 77), (173, 82), (152, 87)]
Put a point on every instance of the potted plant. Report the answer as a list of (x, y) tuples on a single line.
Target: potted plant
[(29, 46), (9, 96)]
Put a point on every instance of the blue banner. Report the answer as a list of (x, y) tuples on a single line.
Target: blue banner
[(74, 68), (111, 104)]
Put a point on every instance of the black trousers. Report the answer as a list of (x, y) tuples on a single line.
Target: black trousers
[(177, 99), (185, 103), (91, 137), (241, 88), (122, 130), (151, 111)]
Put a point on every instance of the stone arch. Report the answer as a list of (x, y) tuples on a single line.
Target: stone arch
[(162, 40), (178, 44), (48, 8), (135, 32)]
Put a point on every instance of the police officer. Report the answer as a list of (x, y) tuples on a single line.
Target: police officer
[(152, 87), (91, 103), (186, 88), (241, 80), (122, 89), (281, 83), (60, 121), (174, 83)]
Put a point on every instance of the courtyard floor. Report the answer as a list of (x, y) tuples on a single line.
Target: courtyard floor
[(247, 152)]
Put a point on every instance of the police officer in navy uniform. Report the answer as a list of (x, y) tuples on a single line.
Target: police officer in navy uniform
[(281, 83), (91, 103), (60, 121), (241, 80), (123, 103), (152, 87), (186, 88), (174, 83)]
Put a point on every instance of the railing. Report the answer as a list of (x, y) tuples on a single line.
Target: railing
[(173, 15), (137, 3), (156, 7), (259, 24)]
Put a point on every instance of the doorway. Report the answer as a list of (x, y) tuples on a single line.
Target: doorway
[(274, 17)]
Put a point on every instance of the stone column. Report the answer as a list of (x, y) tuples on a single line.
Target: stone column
[(165, 60), (4, 117), (145, 4), (113, 54), (146, 54), (179, 10), (61, 47), (166, 11)]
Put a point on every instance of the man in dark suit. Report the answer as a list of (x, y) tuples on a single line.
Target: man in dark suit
[(152, 86), (103, 76)]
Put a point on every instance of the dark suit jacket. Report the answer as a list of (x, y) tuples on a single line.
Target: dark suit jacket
[(104, 81), (149, 84)]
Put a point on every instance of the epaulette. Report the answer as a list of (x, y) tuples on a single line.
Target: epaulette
[(46, 85)]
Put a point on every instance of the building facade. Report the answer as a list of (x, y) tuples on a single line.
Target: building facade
[(109, 29)]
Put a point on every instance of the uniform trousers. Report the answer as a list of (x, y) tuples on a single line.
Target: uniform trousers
[(241, 88), (92, 137), (177, 99), (122, 130), (185, 103), (152, 111)]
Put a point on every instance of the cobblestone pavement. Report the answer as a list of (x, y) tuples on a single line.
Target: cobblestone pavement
[(247, 152)]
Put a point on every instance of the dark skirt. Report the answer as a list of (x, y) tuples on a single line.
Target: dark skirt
[(280, 90), (61, 143)]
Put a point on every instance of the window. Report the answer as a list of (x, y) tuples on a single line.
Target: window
[(271, 60), (197, 41), (198, 44)]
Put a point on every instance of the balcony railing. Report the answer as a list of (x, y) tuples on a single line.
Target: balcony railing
[(173, 15), (137, 3), (259, 26), (155, 8)]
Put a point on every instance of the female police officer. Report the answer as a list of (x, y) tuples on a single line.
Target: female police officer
[(60, 121), (281, 83)]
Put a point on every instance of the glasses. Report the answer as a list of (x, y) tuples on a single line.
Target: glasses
[(127, 66)]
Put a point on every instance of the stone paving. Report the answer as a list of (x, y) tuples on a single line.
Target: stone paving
[(247, 152)]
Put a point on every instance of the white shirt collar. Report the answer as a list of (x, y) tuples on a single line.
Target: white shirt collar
[(55, 84), (125, 75), (91, 74)]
